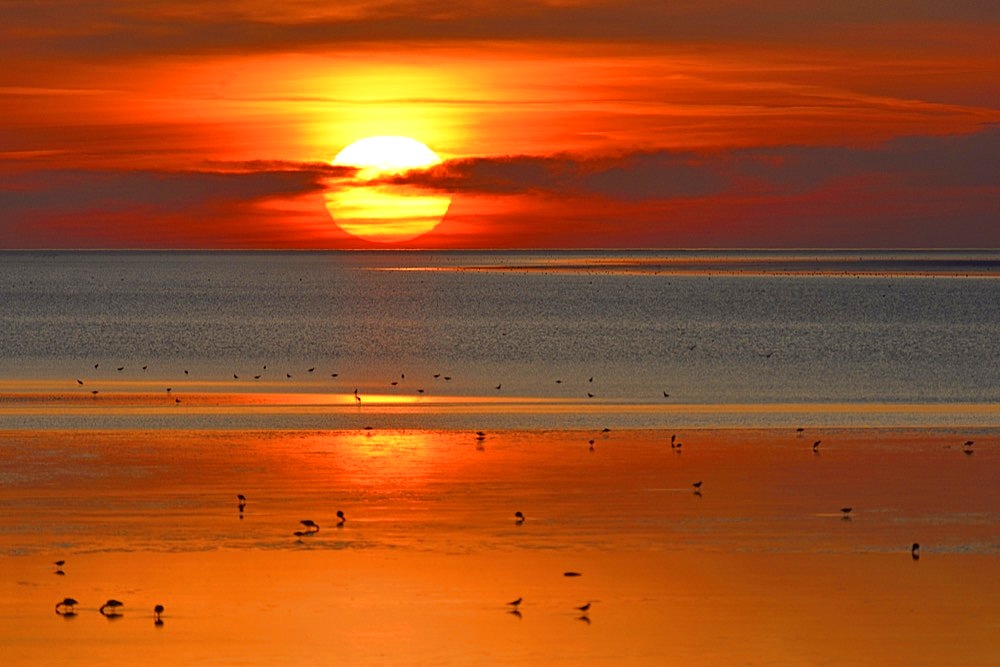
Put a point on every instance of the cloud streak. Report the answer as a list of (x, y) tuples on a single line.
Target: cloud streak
[(114, 28), (929, 190)]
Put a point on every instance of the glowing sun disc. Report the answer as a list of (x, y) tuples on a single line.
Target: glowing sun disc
[(379, 212)]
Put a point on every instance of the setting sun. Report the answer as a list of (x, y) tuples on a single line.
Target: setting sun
[(371, 209)]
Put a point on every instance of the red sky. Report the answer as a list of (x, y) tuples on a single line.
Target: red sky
[(570, 123)]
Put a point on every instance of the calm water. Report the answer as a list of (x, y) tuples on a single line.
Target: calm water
[(711, 329)]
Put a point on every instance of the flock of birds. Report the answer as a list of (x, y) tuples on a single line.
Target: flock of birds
[(357, 396), (111, 609), (114, 608)]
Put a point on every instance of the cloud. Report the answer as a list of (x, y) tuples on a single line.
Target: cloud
[(635, 177), (913, 191), (148, 208), (113, 27), (970, 161)]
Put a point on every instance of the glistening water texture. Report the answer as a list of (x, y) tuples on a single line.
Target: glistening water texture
[(706, 328)]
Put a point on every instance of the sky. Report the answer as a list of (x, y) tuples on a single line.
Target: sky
[(559, 124)]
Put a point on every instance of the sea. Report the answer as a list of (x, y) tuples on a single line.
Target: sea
[(629, 338)]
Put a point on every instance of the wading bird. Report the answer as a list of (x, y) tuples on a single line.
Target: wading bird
[(518, 518), (66, 606), (111, 608)]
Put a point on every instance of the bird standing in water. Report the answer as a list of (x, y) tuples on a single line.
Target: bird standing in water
[(518, 518), (111, 608)]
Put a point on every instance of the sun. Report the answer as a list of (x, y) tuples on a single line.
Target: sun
[(376, 211)]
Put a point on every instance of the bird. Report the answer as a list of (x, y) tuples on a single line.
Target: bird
[(584, 608), (59, 563), (799, 431), (697, 486), (498, 386), (846, 511), (157, 612), (666, 395), (340, 518), (68, 606), (915, 551), (816, 446), (79, 381), (242, 501), (518, 518), (113, 607), (673, 441), (310, 525), (515, 603)]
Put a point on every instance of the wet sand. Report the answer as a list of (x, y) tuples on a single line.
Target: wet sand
[(760, 568)]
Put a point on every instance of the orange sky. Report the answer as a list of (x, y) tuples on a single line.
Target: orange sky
[(561, 124)]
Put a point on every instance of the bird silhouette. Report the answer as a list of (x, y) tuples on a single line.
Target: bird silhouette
[(515, 603), (846, 512), (816, 446), (310, 525), (915, 551), (66, 606), (157, 612), (518, 518), (584, 607), (340, 518), (111, 608)]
